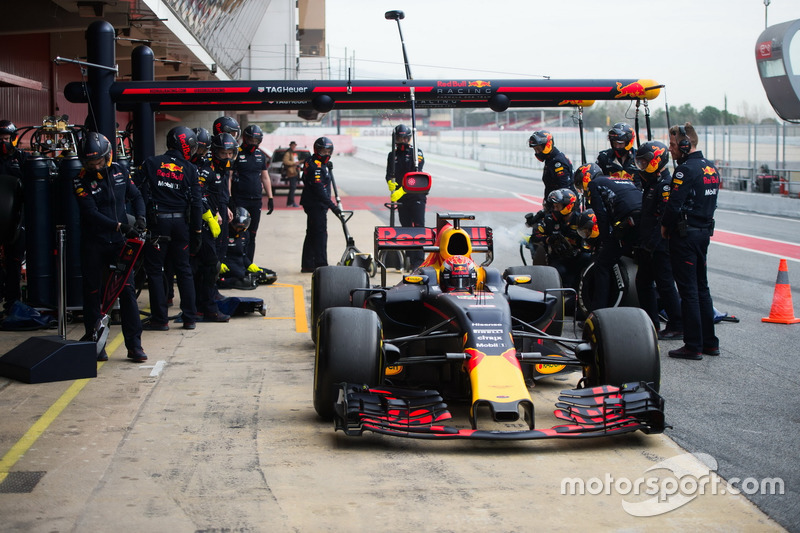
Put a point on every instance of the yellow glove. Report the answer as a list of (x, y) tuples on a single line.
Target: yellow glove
[(223, 269), (253, 268), (397, 194), (392, 185), (213, 225)]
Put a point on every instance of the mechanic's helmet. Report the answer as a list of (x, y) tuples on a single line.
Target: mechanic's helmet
[(223, 148), (402, 134), (562, 201), (8, 128), (587, 225), (459, 274), (621, 133), (94, 146), (183, 140), (226, 125), (585, 174), (252, 135), (323, 144), (544, 139), (652, 157), (203, 140), (241, 220)]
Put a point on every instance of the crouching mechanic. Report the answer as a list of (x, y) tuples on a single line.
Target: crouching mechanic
[(102, 188), (233, 272)]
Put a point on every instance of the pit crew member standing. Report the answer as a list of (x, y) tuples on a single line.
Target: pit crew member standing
[(653, 257), (12, 161), (557, 173), (316, 200), (616, 203), (688, 223), (619, 160), (411, 208), (102, 189), (172, 197), (249, 177)]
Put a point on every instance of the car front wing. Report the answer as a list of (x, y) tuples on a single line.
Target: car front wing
[(593, 412)]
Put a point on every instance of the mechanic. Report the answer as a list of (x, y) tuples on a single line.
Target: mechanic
[(316, 200), (291, 171), (174, 209), (616, 203), (102, 189), (234, 274), (654, 279), (411, 207), (459, 274), (226, 125), (249, 177), (586, 226), (557, 173), (619, 160), (688, 223), (12, 161), (213, 187), (557, 231)]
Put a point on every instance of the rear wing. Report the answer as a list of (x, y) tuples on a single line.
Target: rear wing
[(396, 238)]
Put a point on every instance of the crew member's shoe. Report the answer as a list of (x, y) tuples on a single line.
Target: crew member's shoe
[(154, 326), (189, 325), (306, 270), (669, 335), (711, 351), (216, 317), (686, 353), (137, 355)]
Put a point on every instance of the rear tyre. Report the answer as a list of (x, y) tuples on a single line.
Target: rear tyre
[(348, 350), (618, 297), (331, 286), (624, 348), (544, 278)]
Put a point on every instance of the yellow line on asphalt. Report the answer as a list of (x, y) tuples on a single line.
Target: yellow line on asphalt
[(40, 426), (300, 318)]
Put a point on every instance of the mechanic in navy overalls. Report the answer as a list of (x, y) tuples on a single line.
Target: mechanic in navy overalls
[(12, 161), (174, 208), (617, 204), (102, 189), (688, 223), (316, 200), (619, 160), (411, 207), (249, 177), (653, 257), (557, 173), (213, 186)]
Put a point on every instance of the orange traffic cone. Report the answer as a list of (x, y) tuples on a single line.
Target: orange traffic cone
[(782, 311)]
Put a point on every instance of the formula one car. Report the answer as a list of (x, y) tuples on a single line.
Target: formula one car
[(387, 357)]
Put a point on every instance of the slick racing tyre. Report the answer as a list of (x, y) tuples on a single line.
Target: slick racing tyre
[(544, 278), (330, 287), (622, 292), (624, 348), (348, 350)]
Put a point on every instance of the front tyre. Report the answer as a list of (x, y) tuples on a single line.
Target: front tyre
[(348, 350), (331, 286)]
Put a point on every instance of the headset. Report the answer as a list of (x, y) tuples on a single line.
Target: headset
[(684, 145)]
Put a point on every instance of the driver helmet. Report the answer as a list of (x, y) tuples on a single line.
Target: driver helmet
[(562, 201), (652, 157), (621, 137), (94, 146), (543, 140), (226, 125), (459, 274), (587, 225), (241, 220)]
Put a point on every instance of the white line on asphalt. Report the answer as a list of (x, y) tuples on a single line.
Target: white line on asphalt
[(157, 368)]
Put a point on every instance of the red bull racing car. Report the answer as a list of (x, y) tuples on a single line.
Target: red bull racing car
[(388, 358)]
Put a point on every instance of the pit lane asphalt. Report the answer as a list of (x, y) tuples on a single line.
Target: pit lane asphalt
[(217, 432)]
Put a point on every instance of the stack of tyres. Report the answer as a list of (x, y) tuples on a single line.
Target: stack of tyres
[(68, 215), (40, 237)]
